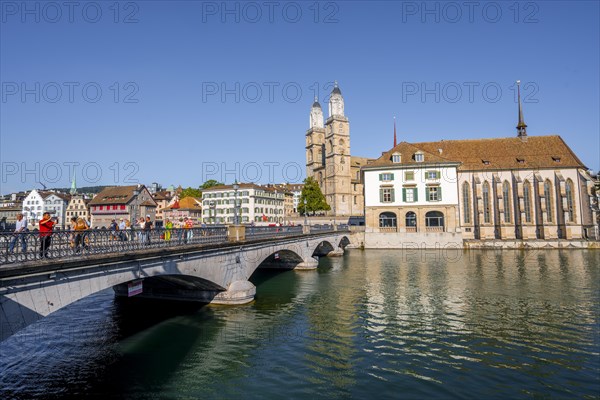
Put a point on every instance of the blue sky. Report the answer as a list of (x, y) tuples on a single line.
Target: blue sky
[(183, 91)]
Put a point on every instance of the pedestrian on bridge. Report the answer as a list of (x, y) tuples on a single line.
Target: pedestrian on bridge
[(19, 234), (80, 228), (46, 227), (168, 228), (147, 229)]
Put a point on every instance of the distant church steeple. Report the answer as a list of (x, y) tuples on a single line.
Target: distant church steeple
[(521, 126), (316, 115), (395, 143), (73, 185), (336, 102)]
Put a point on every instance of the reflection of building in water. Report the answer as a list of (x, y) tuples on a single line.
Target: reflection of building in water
[(332, 317)]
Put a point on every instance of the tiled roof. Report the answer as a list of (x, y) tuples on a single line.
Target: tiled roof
[(359, 161), (114, 195), (506, 153), (162, 195), (407, 156), (490, 154), (187, 203)]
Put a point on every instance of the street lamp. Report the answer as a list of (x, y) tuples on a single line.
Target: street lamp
[(305, 222), (136, 193), (213, 207), (235, 213)]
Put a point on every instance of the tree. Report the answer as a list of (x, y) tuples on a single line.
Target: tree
[(210, 183), (315, 201), (190, 192)]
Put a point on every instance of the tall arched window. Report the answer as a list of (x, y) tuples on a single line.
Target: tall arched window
[(411, 219), (527, 201), (330, 146), (507, 202), (486, 202), (548, 200), (570, 204), (310, 155), (387, 220), (466, 203)]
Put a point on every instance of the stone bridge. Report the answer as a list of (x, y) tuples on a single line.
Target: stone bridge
[(216, 273)]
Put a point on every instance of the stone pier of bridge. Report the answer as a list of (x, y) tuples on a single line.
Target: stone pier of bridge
[(216, 273)]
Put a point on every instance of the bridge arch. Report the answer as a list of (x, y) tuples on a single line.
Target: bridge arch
[(215, 273)]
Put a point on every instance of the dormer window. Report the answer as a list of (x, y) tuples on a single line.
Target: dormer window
[(396, 158), (485, 162), (556, 159), (419, 157), (521, 160)]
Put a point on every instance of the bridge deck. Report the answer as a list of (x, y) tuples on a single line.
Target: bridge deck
[(75, 261)]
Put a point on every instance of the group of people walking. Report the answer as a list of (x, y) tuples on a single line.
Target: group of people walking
[(79, 232), (20, 234)]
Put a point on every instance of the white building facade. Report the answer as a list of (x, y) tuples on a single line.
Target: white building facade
[(256, 204), (36, 203), (411, 199)]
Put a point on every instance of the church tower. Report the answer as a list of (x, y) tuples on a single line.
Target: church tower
[(315, 142), (338, 191)]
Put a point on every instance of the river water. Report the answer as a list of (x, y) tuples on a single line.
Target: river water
[(371, 324)]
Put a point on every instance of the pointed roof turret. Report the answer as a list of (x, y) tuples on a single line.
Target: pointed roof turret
[(316, 103), (336, 88), (395, 143), (73, 186), (521, 126)]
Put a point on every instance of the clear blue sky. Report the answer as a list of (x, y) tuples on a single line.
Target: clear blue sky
[(174, 55)]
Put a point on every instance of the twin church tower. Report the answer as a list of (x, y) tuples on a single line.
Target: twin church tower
[(328, 159)]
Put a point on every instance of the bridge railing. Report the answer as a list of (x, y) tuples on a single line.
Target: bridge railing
[(321, 228), (30, 246), (268, 232)]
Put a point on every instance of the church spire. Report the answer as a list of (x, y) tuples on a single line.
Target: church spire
[(73, 185), (521, 126), (395, 143)]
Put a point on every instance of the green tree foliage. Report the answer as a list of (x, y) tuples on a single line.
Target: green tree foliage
[(315, 201), (190, 192), (210, 183)]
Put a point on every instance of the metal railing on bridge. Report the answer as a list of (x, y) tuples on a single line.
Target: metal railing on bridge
[(267, 232), (31, 246)]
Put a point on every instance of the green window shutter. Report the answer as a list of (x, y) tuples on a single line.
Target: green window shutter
[(404, 195), (440, 193), (415, 191), (393, 195), (426, 194), (381, 195), (437, 174), (392, 175), (380, 177)]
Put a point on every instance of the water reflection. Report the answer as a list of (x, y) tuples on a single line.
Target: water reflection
[(385, 323)]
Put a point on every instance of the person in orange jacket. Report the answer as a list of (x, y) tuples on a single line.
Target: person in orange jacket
[(46, 227)]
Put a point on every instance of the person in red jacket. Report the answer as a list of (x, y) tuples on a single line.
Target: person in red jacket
[(46, 226)]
